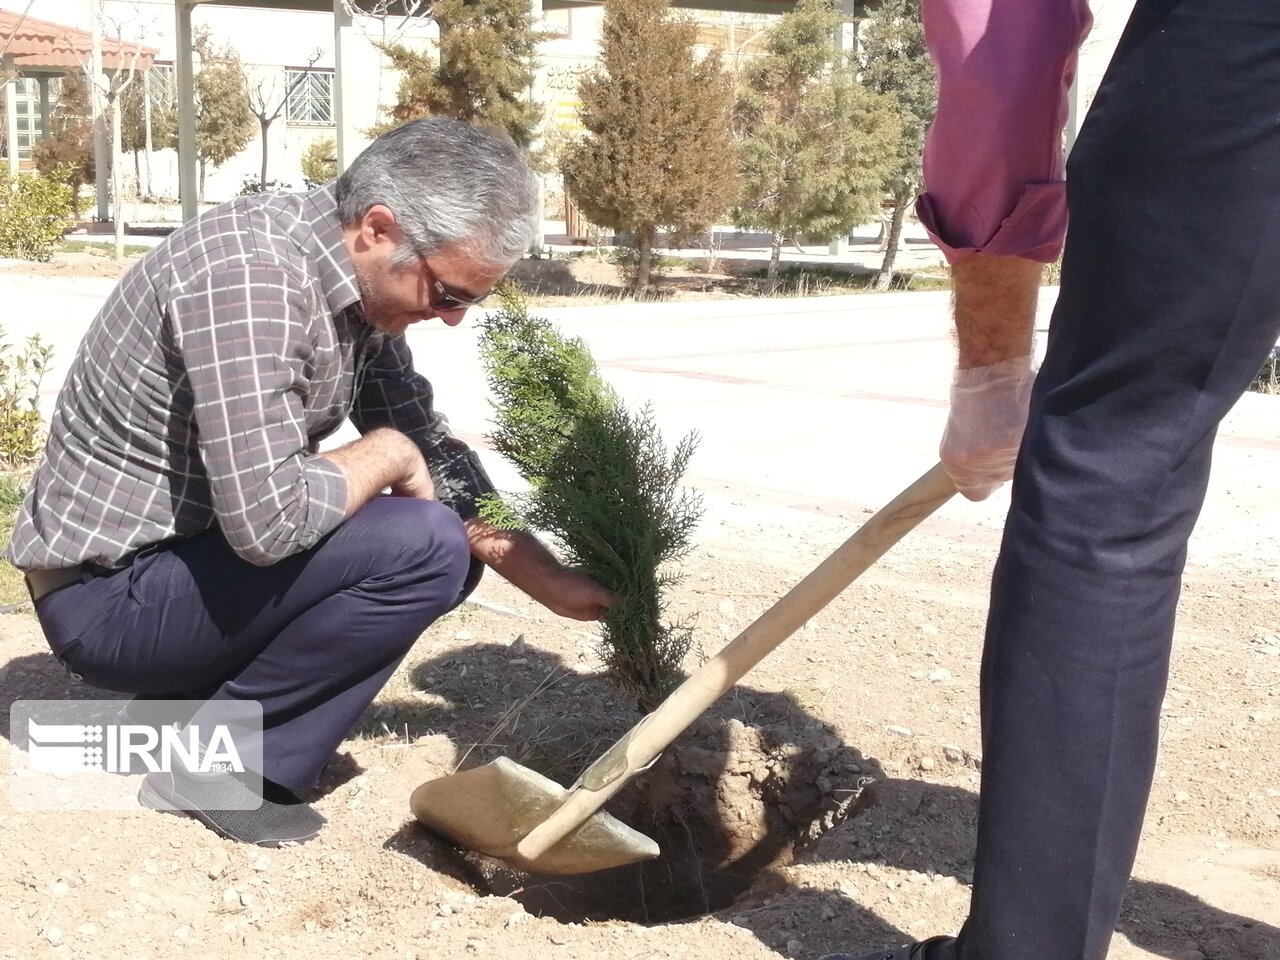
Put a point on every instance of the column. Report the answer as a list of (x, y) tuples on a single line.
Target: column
[(188, 173)]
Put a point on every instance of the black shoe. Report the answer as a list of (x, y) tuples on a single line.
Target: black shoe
[(280, 819), (935, 948)]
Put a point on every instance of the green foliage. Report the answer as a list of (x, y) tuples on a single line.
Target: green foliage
[(21, 373), (67, 153), (484, 72), (602, 483), (816, 147), (34, 211), (133, 119), (320, 162), (895, 62), (657, 153), (224, 121)]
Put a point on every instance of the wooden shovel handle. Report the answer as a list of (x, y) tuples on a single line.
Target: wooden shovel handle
[(639, 746)]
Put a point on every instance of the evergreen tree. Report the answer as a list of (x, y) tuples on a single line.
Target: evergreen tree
[(485, 67), (658, 151), (816, 147), (896, 62), (68, 150), (602, 482), (224, 122)]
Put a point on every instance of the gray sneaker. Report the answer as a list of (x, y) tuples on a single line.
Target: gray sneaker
[(282, 819)]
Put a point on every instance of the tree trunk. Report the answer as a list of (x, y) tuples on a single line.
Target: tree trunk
[(202, 166), (117, 177), (146, 125), (645, 236), (137, 169), (266, 125), (885, 277), (775, 256)]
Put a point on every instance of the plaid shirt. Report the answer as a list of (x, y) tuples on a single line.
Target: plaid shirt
[(203, 387)]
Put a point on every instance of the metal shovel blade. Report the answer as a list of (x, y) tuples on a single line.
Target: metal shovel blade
[(489, 809)]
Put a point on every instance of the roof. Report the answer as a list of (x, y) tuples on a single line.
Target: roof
[(40, 43)]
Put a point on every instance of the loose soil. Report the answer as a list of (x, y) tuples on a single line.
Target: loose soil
[(828, 803)]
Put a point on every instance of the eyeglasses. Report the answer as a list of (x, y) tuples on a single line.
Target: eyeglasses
[(442, 298)]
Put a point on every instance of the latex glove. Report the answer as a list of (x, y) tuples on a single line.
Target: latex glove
[(988, 416)]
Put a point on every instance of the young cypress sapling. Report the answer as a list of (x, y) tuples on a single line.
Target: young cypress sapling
[(602, 482)]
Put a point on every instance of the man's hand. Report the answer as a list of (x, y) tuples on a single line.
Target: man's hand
[(382, 458), (416, 482), (984, 429), (995, 312), (522, 559)]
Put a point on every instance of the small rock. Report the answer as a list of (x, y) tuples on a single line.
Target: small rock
[(462, 635), (1181, 796), (927, 763), (215, 870), (517, 645), (309, 926), (726, 607), (518, 917), (53, 935), (828, 912), (475, 946), (246, 899), (59, 888), (941, 675), (445, 910), (261, 865), (183, 933), (1260, 717), (518, 661), (231, 897), (929, 630), (794, 947), (899, 731), (953, 753)]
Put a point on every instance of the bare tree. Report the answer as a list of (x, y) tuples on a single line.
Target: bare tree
[(265, 106), (106, 92)]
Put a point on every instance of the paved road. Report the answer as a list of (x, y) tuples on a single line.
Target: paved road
[(805, 407)]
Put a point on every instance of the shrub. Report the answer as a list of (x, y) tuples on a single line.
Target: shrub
[(320, 162), (35, 210), (252, 185), (602, 483), (21, 373)]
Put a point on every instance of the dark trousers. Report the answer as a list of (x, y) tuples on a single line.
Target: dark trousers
[(1170, 303), (313, 638)]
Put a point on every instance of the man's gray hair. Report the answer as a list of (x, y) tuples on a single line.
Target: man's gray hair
[(450, 185)]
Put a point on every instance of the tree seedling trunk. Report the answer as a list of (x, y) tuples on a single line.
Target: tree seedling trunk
[(885, 277)]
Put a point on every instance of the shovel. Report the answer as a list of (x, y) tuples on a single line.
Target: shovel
[(506, 811)]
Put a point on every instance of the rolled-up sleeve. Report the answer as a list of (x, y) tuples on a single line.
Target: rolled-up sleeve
[(393, 394), (241, 333), (993, 163)]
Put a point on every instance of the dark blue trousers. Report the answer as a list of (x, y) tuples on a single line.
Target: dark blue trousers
[(313, 638), (1170, 303)]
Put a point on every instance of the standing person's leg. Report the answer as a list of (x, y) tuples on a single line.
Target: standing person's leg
[(312, 638), (1169, 304)]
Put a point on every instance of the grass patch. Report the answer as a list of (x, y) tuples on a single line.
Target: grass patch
[(102, 249), (12, 488), (1268, 378)]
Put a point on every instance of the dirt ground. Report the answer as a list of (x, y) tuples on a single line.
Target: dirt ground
[(859, 736)]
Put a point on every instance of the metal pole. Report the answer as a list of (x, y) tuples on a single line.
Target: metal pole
[(188, 181)]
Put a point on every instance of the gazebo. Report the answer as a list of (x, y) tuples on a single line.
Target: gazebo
[(41, 50), (349, 139)]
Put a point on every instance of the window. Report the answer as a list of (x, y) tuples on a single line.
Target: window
[(27, 115), (311, 101), (162, 79)]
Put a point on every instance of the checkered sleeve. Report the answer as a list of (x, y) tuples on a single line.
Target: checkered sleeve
[(241, 331), (392, 394)]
